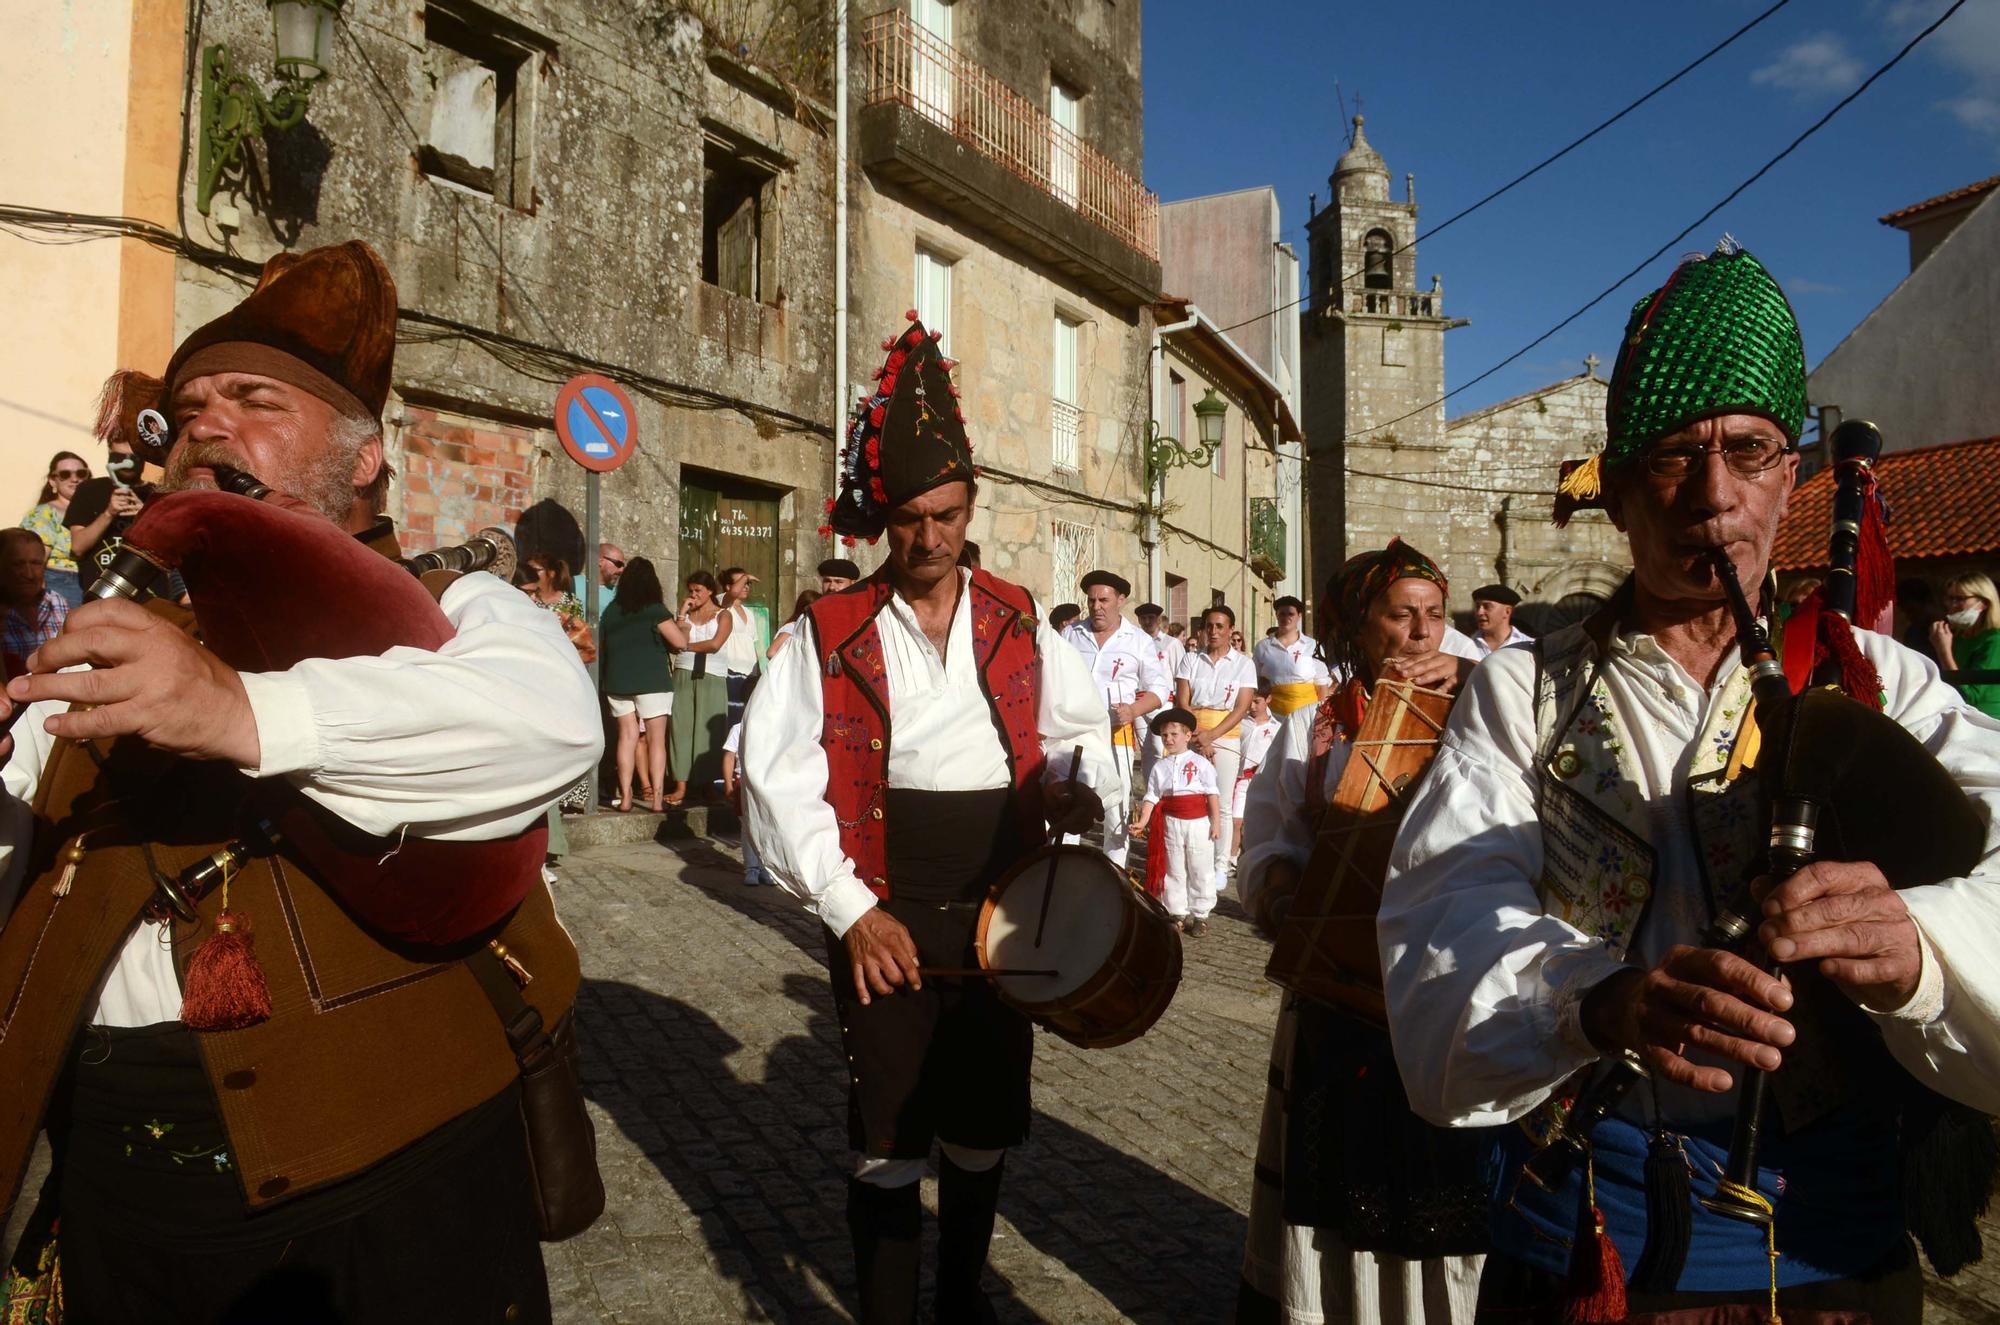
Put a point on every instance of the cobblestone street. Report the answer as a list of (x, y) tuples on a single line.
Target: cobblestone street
[(712, 1056), (714, 1063)]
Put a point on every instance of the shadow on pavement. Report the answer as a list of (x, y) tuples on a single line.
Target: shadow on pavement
[(763, 1163)]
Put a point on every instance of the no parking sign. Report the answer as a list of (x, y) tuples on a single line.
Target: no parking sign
[(594, 422)]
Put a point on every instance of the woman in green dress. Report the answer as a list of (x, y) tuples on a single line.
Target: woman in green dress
[(637, 637), (701, 690), (1968, 639)]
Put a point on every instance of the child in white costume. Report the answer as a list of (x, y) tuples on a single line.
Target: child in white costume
[(1180, 850)]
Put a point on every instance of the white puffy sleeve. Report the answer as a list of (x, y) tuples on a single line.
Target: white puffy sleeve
[(1482, 987)]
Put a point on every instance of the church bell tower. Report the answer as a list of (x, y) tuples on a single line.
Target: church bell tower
[(1372, 365)]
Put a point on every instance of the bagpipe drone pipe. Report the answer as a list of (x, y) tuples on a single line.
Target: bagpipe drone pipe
[(273, 584)]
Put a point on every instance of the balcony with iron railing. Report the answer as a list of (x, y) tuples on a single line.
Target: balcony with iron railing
[(937, 122)]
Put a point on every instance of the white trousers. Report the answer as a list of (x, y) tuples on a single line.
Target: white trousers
[(1118, 804), (1228, 761), (1190, 883)]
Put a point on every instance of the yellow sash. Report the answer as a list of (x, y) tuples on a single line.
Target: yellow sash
[(1123, 736), (1209, 719), (1291, 696)]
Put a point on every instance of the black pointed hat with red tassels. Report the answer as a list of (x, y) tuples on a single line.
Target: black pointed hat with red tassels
[(907, 437)]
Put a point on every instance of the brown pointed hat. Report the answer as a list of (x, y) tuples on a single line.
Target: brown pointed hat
[(908, 436), (323, 321)]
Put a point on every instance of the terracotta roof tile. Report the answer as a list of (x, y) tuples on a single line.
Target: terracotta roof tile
[(1944, 501), (1916, 209)]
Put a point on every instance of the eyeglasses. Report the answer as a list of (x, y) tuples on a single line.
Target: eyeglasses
[(1746, 456), (72, 473), (613, 561)]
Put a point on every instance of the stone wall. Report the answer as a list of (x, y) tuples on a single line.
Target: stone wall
[(586, 257), (1089, 45)]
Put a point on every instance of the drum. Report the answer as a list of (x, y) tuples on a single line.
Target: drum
[(1326, 945), (1115, 954)]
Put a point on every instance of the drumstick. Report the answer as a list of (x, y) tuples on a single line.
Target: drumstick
[(974, 972), (1049, 884)]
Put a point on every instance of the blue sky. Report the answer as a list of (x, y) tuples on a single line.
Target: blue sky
[(1468, 93)]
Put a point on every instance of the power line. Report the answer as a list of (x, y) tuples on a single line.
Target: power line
[(1643, 263), (1546, 161)]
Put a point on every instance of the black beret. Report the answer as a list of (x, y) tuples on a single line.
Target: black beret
[(1496, 593), (1149, 609), (1118, 584), (841, 567), (1174, 714)]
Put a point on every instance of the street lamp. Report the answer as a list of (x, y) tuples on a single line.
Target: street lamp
[(234, 110), (1165, 453)]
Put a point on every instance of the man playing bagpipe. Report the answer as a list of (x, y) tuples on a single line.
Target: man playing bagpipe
[(251, 914), (1577, 930)]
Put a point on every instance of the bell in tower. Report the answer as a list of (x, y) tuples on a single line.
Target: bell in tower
[(1372, 362)]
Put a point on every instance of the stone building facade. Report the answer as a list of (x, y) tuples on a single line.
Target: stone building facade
[(1383, 461), (1220, 531), (558, 188), (995, 190)]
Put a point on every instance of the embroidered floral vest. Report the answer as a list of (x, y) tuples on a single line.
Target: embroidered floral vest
[(1599, 865), (857, 726)]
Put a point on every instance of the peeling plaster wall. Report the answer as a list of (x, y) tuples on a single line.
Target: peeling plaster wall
[(603, 262)]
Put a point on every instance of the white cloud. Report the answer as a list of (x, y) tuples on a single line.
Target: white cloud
[(1979, 114), (1967, 46), (1817, 65), (1798, 285)]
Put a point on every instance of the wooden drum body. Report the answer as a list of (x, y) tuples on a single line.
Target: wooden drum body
[(1326, 945), (1114, 950)]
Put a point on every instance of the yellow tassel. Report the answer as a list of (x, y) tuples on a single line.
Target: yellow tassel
[(1586, 481), (1750, 1196)]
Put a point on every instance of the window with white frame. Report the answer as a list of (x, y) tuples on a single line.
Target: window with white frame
[(1063, 407), (932, 59), (1074, 552), (1065, 130), (933, 301)]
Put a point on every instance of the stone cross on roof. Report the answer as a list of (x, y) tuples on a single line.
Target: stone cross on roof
[(1590, 362)]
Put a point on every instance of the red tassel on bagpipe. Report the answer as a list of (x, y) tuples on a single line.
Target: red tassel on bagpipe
[(225, 989), (1874, 567), (1597, 1283)]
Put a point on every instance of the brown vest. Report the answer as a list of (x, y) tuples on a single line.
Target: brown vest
[(368, 1047)]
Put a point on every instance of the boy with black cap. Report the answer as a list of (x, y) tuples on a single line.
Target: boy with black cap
[(1180, 850), (1152, 620)]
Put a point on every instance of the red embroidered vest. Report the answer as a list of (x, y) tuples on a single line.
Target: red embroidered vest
[(857, 729)]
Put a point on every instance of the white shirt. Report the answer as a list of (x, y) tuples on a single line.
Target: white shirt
[(1184, 774), (1169, 651), (1124, 665), (739, 651), (1483, 986), (470, 743), (698, 632), (1257, 738), (1214, 683), (1515, 636), (1460, 645), (1283, 664), (1275, 824), (943, 740)]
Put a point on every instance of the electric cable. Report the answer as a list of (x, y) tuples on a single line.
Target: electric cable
[(1546, 161)]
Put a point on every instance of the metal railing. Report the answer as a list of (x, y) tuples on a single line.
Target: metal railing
[(1068, 423), (909, 66), (1267, 532)]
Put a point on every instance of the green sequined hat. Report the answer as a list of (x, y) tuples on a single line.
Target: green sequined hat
[(1718, 338)]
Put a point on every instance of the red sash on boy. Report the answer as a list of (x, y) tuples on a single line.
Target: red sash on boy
[(1181, 805)]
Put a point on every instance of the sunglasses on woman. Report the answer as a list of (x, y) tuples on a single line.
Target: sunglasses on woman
[(72, 473)]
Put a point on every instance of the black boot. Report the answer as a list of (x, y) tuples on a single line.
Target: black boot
[(966, 1204), (886, 1224)]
